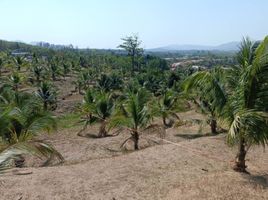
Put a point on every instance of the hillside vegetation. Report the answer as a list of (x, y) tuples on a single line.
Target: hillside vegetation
[(129, 124)]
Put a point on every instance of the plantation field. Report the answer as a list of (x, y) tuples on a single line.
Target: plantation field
[(193, 166), (124, 124)]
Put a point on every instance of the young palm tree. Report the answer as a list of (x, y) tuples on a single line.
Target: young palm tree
[(104, 83), (165, 107), (83, 81), (47, 94), (246, 111), (15, 80), (134, 114), (98, 107), (54, 67), (19, 62), (246, 105), (54, 70), (209, 86), (19, 123), (66, 69), (37, 72)]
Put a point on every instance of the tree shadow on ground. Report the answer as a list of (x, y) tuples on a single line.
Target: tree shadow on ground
[(94, 136), (261, 180), (192, 136)]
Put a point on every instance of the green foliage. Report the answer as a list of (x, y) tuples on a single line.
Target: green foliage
[(239, 95), (247, 107), (98, 106), (131, 44), (166, 107), (47, 94), (109, 82), (134, 113), (22, 118)]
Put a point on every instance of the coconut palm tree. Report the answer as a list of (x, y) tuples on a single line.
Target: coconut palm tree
[(54, 67), (245, 106), (37, 72), (15, 80), (98, 107), (37, 68), (165, 107), (134, 113), (66, 69), (19, 62), (47, 95), (246, 111), (209, 86), (83, 81), (19, 123)]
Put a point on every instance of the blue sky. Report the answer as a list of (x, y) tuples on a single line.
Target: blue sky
[(101, 23)]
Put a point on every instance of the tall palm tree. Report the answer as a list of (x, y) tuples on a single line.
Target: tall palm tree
[(134, 114), (98, 107)]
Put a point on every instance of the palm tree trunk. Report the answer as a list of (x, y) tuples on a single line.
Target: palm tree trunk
[(19, 161), (167, 124), (45, 105), (133, 64), (213, 126), (102, 130), (38, 79), (240, 164), (135, 136), (53, 77), (80, 90)]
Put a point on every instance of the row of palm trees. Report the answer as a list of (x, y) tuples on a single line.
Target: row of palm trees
[(133, 110), (24, 113)]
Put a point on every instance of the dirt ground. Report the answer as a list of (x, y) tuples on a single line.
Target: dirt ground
[(192, 165)]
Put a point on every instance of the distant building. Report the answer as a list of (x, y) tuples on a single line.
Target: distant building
[(19, 53)]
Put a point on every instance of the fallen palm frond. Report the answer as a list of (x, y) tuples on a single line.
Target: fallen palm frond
[(39, 149)]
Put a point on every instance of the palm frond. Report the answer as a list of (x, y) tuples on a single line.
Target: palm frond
[(35, 148), (252, 124)]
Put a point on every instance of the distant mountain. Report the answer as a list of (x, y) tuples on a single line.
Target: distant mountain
[(231, 46)]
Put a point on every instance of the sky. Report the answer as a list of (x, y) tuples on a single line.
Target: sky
[(102, 23)]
